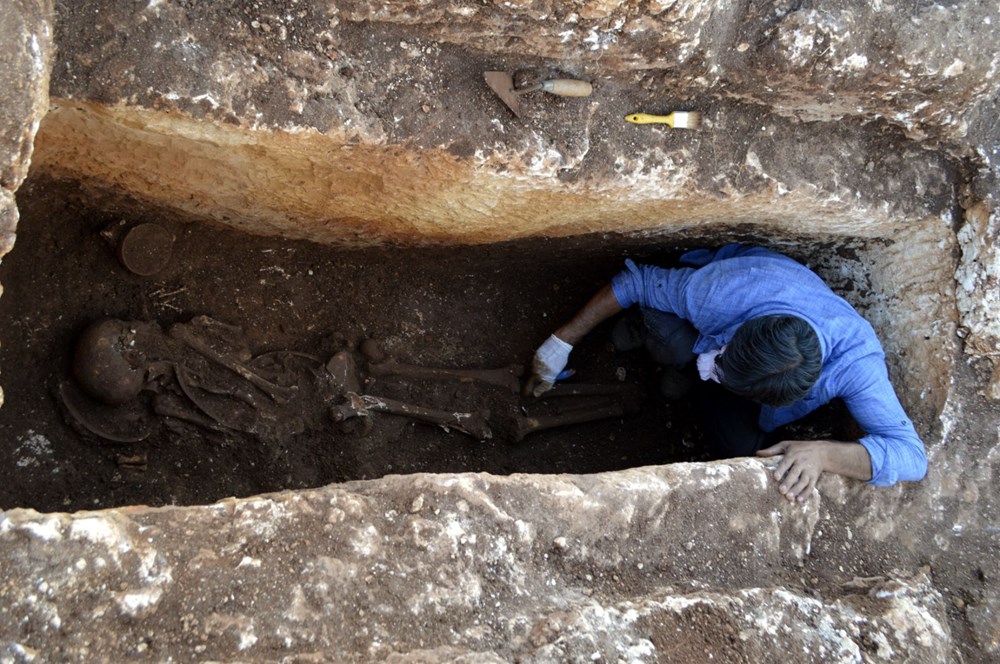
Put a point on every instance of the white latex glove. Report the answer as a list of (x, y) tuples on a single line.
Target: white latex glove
[(550, 359)]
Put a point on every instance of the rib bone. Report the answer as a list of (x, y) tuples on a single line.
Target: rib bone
[(279, 393)]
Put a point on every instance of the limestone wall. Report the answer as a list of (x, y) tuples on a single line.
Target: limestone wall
[(324, 188), (659, 564), (366, 123), (920, 65), (26, 30), (26, 33)]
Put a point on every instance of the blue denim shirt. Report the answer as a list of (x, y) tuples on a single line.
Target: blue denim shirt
[(736, 283)]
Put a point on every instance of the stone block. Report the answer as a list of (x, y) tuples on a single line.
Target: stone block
[(637, 565), (26, 33)]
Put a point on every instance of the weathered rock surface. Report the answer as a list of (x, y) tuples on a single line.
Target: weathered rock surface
[(922, 66), (979, 287), (635, 566), (26, 32), (980, 271), (372, 123), (25, 66)]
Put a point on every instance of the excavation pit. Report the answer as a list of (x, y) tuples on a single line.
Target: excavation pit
[(330, 174), (482, 306)]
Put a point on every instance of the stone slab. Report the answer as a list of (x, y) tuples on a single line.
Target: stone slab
[(26, 33), (630, 565)]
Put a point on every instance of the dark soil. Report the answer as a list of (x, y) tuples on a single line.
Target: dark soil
[(474, 307), (483, 306)]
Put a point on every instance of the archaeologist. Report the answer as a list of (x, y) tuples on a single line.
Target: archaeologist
[(771, 343)]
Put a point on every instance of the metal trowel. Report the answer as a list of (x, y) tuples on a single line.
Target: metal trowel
[(502, 83)]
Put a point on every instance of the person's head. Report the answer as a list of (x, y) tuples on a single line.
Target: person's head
[(774, 360)]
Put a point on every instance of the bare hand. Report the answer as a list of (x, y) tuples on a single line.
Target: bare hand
[(801, 467)]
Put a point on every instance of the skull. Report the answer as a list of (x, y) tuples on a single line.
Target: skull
[(107, 364)]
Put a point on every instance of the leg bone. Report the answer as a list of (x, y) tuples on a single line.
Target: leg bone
[(472, 424), (529, 425), (507, 377)]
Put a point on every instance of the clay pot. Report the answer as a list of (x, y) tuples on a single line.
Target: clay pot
[(146, 249)]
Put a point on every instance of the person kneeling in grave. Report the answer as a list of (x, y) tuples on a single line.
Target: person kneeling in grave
[(771, 343)]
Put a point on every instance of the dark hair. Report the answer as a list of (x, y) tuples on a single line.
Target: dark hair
[(773, 359)]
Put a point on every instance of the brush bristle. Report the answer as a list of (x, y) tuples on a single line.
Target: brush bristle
[(687, 119)]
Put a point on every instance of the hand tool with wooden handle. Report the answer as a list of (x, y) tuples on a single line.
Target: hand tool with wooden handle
[(502, 83), (564, 87)]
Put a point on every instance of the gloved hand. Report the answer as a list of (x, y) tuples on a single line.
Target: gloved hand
[(550, 359)]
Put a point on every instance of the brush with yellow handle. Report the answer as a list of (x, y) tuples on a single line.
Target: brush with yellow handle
[(677, 119)]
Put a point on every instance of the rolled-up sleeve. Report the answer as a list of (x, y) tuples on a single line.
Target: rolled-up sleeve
[(651, 287), (896, 451)]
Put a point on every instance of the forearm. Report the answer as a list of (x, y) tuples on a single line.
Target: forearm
[(601, 306), (805, 460), (847, 459)]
